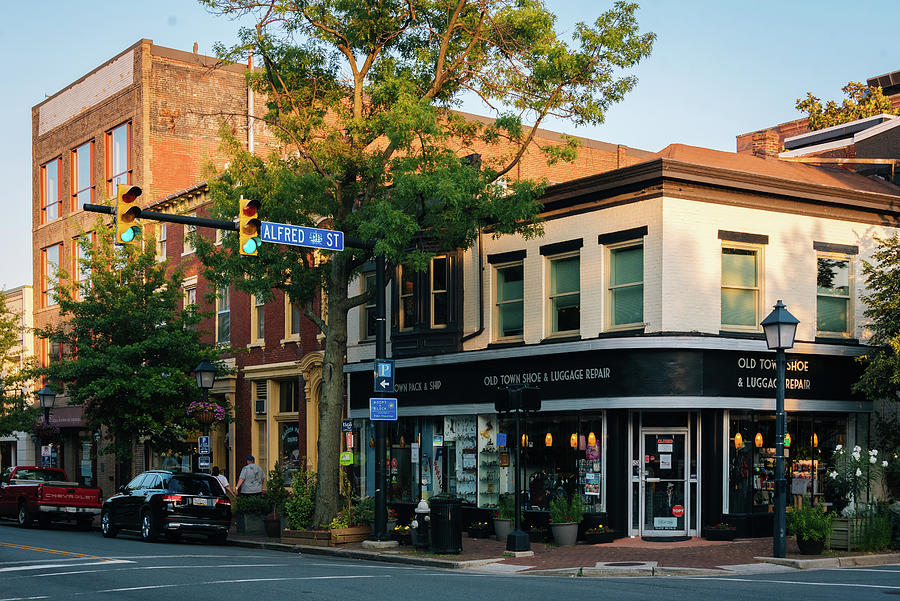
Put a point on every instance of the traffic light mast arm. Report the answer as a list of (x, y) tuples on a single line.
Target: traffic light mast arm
[(219, 224)]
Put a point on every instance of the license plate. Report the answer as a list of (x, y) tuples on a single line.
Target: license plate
[(203, 502)]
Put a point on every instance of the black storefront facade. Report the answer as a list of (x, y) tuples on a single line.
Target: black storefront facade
[(660, 435)]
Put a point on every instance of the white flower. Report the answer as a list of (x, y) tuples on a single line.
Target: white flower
[(839, 447), (873, 452), (858, 472), (872, 459), (855, 455), (884, 464), (857, 449), (834, 475)]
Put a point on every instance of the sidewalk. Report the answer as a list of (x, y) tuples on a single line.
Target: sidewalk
[(633, 556)]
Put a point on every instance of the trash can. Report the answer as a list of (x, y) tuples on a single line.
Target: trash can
[(446, 524), (419, 527)]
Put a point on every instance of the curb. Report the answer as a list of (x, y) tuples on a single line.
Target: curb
[(834, 562), (427, 562)]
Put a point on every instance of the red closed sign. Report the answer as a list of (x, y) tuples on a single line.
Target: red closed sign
[(678, 511)]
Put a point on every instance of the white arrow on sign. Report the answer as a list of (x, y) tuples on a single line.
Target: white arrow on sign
[(384, 384)]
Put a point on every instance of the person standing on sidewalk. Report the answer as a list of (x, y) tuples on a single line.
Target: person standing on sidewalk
[(250, 482), (223, 481)]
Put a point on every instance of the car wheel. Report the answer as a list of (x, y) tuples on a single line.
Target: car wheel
[(218, 538), (149, 529), (106, 525), (24, 516)]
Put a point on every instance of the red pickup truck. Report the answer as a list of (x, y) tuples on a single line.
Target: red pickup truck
[(44, 493)]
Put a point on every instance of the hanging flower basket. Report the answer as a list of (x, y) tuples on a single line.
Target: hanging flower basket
[(206, 412), (47, 432)]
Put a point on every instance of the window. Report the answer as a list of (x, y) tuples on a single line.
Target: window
[(740, 287), (81, 266), (161, 233), (82, 175), (288, 397), (292, 315), (407, 313), (118, 157), (49, 268), (51, 200), (223, 315), (258, 320), (626, 285), (440, 291), (368, 311), (190, 297), (510, 294), (51, 352), (188, 232), (833, 295), (565, 294)]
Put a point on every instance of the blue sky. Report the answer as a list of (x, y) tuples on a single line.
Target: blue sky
[(718, 69)]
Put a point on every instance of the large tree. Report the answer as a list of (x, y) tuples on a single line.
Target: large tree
[(127, 352), (359, 95), (861, 101)]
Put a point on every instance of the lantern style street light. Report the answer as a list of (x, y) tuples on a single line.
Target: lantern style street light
[(780, 327), (47, 398), (206, 376)]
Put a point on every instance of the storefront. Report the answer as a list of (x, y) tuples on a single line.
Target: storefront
[(664, 436)]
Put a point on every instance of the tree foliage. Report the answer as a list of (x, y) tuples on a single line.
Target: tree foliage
[(126, 352), (881, 378), (861, 102), (16, 411), (360, 97)]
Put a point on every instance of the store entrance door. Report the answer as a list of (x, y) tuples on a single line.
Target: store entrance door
[(664, 494)]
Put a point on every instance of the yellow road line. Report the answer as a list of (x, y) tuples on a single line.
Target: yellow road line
[(54, 551)]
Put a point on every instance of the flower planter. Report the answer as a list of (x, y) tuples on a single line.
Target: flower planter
[(846, 533), (273, 527), (251, 524), (597, 538), (354, 534), (537, 536), (719, 534), (404, 538), (502, 528), (479, 532), (565, 534), (810, 547), (315, 538)]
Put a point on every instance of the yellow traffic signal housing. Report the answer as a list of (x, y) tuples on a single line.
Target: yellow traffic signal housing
[(127, 210), (249, 224)]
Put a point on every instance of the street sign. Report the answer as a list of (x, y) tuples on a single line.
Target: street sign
[(45, 450), (296, 235), (384, 375), (346, 458), (383, 409), (346, 425), (203, 462), (203, 445)]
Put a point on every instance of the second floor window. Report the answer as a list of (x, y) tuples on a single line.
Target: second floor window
[(188, 232), (626, 285), (118, 158), (51, 201), (161, 233), (258, 320), (407, 312), (833, 295), (510, 303), (81, 261), (565, 294), (49, 268), (740, 287), (368, 310), (223, 315), (82, 175)]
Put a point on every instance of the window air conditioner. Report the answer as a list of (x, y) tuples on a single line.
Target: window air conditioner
[(260, 406)]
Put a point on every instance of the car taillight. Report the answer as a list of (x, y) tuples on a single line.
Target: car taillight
[(172, 498), (223, 502), (40, 492)]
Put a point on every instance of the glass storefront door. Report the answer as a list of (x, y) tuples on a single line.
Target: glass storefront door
[(664, 482)]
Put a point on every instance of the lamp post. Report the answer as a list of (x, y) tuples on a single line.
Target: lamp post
[(205, 373), (47, 397), (780, 327)]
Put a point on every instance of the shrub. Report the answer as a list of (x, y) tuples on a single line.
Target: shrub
[(364, 511), (251, 504), (506, 510), (300, 506), (563, 510), (276, 494), (810, 522)]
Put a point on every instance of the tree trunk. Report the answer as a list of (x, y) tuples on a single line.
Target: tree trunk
[(330, 408)]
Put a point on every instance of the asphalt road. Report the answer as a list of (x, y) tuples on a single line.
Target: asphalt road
[(63, 564)]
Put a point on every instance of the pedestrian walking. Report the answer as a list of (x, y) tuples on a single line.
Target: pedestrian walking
[(251, 479), (222, 480)]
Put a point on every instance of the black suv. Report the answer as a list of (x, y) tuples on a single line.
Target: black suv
[(160, 501)]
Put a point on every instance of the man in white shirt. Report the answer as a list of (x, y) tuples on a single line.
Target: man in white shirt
[(251, 479)]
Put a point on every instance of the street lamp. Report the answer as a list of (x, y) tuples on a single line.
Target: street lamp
[(780, 327), (206, 376), (47, 397)]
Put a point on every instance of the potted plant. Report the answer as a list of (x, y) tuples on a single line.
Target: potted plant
[(479, 529), (853, 473), (565, 515), (391, 519), (812, 527), (364, 511), (503, 519), (277, 496), (598, 534), (723, 531), (536, 534), (253, 509), (401, 535)]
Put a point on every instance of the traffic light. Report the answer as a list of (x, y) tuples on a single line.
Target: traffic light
[(249, 225), (127, 210)]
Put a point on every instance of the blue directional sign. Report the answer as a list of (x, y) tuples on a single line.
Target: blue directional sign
[(383, 410), (203, 445), (384, 375), (296, 235)]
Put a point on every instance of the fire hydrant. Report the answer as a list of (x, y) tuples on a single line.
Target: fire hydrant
[(418, 528)]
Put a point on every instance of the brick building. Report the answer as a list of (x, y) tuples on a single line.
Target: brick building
[(19, 449), (150, 116)]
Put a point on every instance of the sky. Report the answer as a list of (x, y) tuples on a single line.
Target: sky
[(719, 68)]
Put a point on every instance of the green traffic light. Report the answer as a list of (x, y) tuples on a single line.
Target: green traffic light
[(251, 245), (129, 234)]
